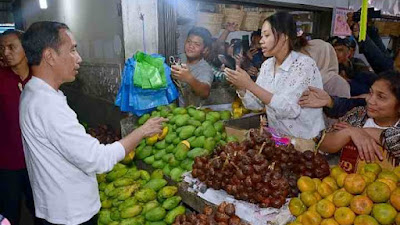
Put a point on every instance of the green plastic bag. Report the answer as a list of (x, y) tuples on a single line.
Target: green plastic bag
[(149, 72)]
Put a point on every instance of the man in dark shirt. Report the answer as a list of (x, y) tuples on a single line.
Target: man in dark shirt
[(14, 181)]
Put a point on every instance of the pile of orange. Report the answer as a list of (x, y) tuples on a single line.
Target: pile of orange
[(370, 197)]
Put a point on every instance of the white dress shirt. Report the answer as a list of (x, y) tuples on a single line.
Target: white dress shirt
[(291, 79), (62, 159)]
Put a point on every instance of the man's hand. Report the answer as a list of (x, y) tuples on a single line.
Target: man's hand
[(251, 52), (152, 126), (252, 71), (366, 145), (341, 125), (181, 73), (238, 77), (315, 98), (231, 27)]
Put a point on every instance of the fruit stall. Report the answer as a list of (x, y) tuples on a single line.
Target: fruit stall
[(197, 172)]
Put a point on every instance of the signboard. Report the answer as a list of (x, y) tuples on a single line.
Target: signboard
[(339, 22)]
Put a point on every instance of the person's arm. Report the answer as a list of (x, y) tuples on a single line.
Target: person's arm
[(229, 27), (182, 73)]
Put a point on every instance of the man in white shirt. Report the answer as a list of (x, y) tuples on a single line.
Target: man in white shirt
[(63, 160)]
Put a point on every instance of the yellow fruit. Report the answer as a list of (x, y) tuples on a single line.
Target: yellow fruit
[(378, 192), (296, 207), (305, 184), (395, 199), (344, 216), (389, 175), (397, 220), (324, 189), (329, 198), (361, 205), (235, 105), (163, 133), (325, 208), (342, 198), (331, 182), (311, 218), (384, 213), (317, 196), (295, 223), (329, 221), (316, 182), (335, 171), (397, 171), (299, 219), (391, 184), (354, 183), (186, 143), (152, 140), (373, 167), (308, 198), (340, 179), (313, 208), (365, 220)]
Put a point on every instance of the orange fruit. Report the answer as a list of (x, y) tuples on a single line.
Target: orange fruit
[(329, 221), (295, 223), (369, 177), (344, 216), (329, 197), (325, 208), (316, 182), (324, 189), (397, 220), (311, 218), (317, 196), (365, 220), (384, 213), (331, 182), (308, 198), (305, 184), (299, 219), (342, 198), (296, 207), (389, 175), (390, 183), (354, 183), (378, 192), (373, 167), (397, 171), (361, 205), (313, 208), (395, 199), (340, 179), (335, 171)]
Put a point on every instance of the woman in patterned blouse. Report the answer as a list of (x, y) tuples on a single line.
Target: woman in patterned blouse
[(282, 80), (371, 126)]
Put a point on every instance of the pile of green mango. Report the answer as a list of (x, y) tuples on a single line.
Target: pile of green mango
[(191, 132), (134, 197)]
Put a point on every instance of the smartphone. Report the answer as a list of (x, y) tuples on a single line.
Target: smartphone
[(228, 61)]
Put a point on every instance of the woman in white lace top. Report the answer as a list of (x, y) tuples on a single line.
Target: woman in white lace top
[(282, 80)]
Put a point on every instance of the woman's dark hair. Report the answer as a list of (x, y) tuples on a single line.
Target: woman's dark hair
[(393, 78), (283, 23), (203, 33), (40, 36)]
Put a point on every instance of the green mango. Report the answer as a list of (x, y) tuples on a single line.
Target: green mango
[(179, 111), (106, 204), (149, 160), (167, 192), (138, 220), (191, 139), (176, 174), (155, 114), (182, 120), (199, 131), (209, 144), (156, 223), (231, 139), (198, 142), (170, 137), (115, 215), (133, 173), (102, 195), (199, 115), (123, 182), (160, 145), (225, 115), (114, 193), (131, 211), (156, 184), (222, 142), (171, 215), (105, 217), (176, 141), (144, 175), (170, 148), (145, 195), (159, 154), (172, 120), (188, 163), (173, 162), (169, 117), (109, 188), (206, 124), (115, 174), (219, 126), (127, 191), (193, 122), (215, 114), (171, 202), (167, 157), (143, 119), (101, 177), (186, 132), (211, 118), (155, 214), (224, 136), (145, 152), (149, 206), (209, 131), (127, 203), (165, 112), (167, 170), (217, 137), (157, 174), (172, 106), (159, 164), (197, 152), (119, 166), (102, 186), (191, 111), (181, 151)]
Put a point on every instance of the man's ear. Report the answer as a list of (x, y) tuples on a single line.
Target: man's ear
[(48, 56)]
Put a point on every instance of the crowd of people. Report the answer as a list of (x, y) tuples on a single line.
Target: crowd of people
[(47, 156)]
